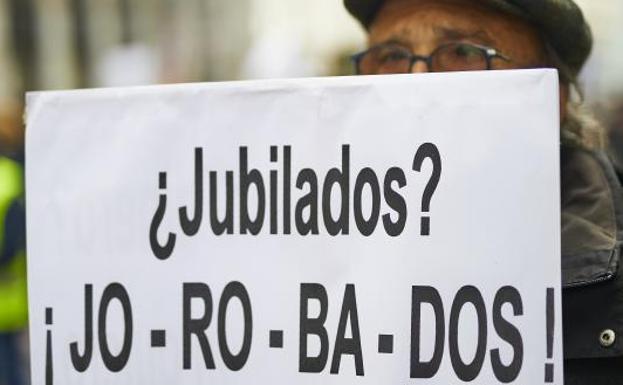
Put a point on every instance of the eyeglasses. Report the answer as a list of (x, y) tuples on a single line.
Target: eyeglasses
[(393, 59)]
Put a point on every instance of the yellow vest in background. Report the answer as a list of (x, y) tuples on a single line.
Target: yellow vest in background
[(13, 289)]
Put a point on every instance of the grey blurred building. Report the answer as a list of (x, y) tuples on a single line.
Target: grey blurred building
[(51, 44)]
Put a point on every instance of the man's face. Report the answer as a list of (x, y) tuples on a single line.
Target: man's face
[(423, 25)]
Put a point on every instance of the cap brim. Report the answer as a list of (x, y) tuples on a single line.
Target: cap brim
[(560, 21)]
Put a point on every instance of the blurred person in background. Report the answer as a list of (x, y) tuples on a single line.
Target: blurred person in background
[(11, 129), (410, 36), (13, 292)]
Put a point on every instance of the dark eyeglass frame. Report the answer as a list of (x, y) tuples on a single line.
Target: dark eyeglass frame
[(488, 52)]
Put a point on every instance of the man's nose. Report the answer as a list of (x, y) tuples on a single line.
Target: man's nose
[(419, 67)]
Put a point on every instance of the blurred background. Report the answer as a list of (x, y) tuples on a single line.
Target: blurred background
[(62, 44), (59, 44)]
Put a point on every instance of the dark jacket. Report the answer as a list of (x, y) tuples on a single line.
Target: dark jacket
[(592, 238)]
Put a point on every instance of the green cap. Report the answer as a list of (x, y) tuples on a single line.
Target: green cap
[(561, 22)]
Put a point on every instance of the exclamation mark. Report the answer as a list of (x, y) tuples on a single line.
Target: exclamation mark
[(549, 316), (49, 375)]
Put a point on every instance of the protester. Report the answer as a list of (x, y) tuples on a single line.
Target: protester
[(13, 293), (456, 35)]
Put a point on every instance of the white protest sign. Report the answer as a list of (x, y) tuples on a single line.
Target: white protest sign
[(359, 230)]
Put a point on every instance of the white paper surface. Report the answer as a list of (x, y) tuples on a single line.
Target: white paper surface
[(94, 158)]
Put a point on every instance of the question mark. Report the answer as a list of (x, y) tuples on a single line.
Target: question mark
[(430, 151)]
